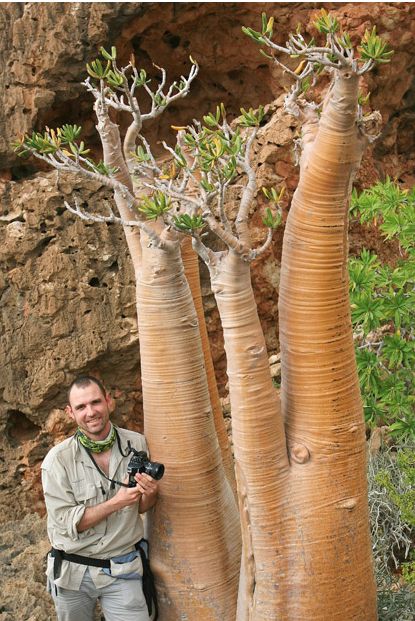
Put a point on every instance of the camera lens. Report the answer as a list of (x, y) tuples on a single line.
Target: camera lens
[(155, 470)]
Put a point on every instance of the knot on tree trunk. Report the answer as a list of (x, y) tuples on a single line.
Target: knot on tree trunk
[(299, 453)]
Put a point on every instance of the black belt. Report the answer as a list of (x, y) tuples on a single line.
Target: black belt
[(60, 555), (148, 578)]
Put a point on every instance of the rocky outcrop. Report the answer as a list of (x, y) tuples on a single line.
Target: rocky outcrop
[(45, 46), (67, 294)]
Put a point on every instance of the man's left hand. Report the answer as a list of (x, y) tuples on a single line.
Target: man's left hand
[(149, 488)]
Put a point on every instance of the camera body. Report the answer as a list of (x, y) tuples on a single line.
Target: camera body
[(139, 462)]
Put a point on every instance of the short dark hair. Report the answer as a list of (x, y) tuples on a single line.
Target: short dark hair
[(85, 380)]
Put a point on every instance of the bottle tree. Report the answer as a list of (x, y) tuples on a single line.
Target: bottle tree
[(195, 535), (301, 476), (327, 549), (300, 468)]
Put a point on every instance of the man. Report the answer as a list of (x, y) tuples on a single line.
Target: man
[(93, 517)]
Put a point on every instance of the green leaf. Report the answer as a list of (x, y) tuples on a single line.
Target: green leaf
[(102, 168), (271, 220), (107, 55), (115, 79), (325, 23), (142, 78), (140, 155), (185, 222), (372, 47), (344, 41), (369, 371), (208, 187), (156, 206), (367, 311), (253, 34), (398, 351), (97, 70), (251, 118)]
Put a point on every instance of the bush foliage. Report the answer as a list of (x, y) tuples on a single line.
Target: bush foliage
[(383, 310)]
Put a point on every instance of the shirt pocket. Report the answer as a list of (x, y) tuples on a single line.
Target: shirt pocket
[(88, 494)]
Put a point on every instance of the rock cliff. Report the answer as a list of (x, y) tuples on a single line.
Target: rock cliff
[(66, 287)]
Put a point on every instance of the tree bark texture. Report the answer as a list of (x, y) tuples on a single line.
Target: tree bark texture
[(258, 437), (195, 534), (326, 543), (191, 268)]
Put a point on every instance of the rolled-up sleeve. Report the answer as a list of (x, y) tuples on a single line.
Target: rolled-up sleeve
[(64, 513)]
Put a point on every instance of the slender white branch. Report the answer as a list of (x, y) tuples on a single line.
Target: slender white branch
[(206, 254), (116, 102), (241, 221), (112, 218), (221, 207), (256, 252)]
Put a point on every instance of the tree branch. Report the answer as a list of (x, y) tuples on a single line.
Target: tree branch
[(206, 254), (112, 218), (241, 222), (255, 253)]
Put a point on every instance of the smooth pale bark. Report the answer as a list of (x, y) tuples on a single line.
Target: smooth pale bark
[(191, 267), (258, 437), (112, 155), (326, 543), (195, 538)]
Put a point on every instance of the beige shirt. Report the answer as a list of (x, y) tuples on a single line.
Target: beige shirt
[(71, 483)]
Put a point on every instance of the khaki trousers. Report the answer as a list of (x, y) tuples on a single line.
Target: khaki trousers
[(123, 600)]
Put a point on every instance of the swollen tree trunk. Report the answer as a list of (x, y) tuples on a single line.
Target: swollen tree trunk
[(326, 544), (195, 537), (195, 533), (258, 436), (191, 268)]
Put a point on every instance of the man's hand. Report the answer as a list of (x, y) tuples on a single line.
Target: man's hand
[(125, 497), (144, 494), (148, 488)]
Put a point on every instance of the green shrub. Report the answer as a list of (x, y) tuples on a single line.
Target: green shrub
[(383, 310)]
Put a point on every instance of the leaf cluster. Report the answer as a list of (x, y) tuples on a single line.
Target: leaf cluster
[(107, 71), (57, 145), (336, 50), (372, 47), (251, 117), (50, 141), (383, 311), (214, 149), (272, 219), (266, 30), (187, 223), (155, 206), (326, 23)]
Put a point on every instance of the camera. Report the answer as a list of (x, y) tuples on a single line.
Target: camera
[(139, 462)]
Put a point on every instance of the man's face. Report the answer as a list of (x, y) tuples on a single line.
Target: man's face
[(89, 408)]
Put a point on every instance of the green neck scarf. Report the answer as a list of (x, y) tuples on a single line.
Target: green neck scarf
[(97, 446)]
